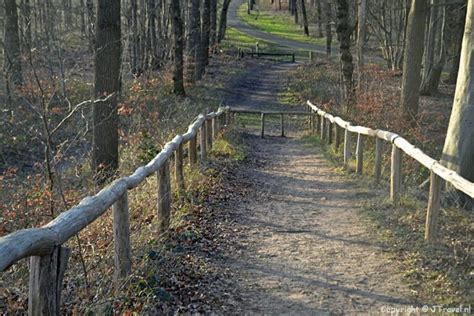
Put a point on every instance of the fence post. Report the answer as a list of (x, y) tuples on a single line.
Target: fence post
[(262, 131), (178, 165), (431, 227), (323, 129), (45, 282), (329, 131), (360, 154), (282, 123), (193, 150), (203, 141), (164, 198), (209, 133), (215, 127), (396, 174), (318, 123), (227, 117), (293, 59), (337, 137), (122, 254), (347, 146), (378, 159)]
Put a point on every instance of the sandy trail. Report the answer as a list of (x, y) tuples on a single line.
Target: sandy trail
[(301, 246)]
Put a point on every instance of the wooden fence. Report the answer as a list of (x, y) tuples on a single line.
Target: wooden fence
[(327, 125), (44, 245)]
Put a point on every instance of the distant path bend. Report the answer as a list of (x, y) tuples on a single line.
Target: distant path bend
[(235, 22)]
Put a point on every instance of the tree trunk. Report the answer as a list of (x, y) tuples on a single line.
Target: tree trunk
[(320, 17), (456, 36), (107, 81), (199, 70), (11, 49), (206, 27), (192, 40), (431, 83), (223, 21), (328, 29), (344, 31), (412, 57), (305, 17), (362, 14), (213, 23), (178, 48), (458, 152)]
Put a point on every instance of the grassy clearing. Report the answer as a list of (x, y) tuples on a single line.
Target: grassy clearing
[(439, 274), (277, 23), (235, 39)]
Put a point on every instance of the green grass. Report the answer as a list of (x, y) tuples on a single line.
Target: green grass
[(280, 24), (235, 39)]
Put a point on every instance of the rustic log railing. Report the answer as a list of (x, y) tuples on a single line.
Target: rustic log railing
[(44, 244), (264, 114), (439, 173)]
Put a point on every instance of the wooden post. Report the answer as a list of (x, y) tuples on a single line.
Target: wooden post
[(203, 141), (329, 131), (337, 137), (396, 174), (164, 198), (318, 123), (323, 129), (282, 123), (178, 168), (360, 154), (45, 282), (227, 117), (347, 147), (431, 226), (192, 150), (209, 133), (313, 124), (122, 254), (378, 159), (215, 127), (262, 131), (293, 58)]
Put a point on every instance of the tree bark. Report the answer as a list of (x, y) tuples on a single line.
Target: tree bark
[(412, 58), (11, 49), (320, 17), (206, 28), (328, 29), (458, 151), (193, 39), (305, 17), (213, 23), (223, 21), (344, 31), (107, 81), (178, 80), (362, 14)]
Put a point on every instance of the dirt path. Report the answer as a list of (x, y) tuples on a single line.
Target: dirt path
[(235, 22), (301, 247)]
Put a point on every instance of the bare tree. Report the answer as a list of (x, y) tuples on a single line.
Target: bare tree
[(458, 152), (413, 55), (178, 48), (344, 31), (11, 48), (107, 62)]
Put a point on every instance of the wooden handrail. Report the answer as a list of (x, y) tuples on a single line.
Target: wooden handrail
[(448, 175), (41, 241)]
